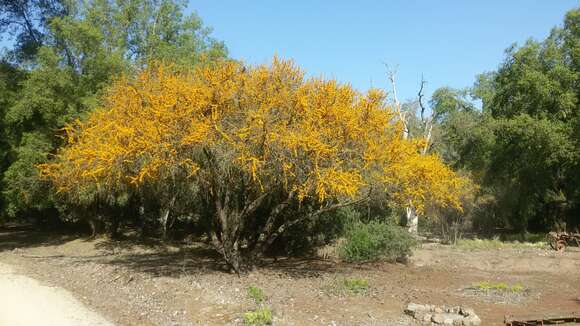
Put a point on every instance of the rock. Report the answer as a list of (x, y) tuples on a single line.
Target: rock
[(448, 315), (472, 320), (448, 322), (412, 307), (437, 318), (446, 318), (467, 311), (452, 310)]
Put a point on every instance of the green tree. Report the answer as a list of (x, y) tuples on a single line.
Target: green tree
[(83, 48), (10, 77), (25, 22), (525, 144)]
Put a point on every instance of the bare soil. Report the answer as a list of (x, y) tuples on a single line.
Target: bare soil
[(154, 283), (25, 302)]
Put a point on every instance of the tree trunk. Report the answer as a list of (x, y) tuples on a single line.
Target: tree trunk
[(114, 228), (142, 220), (412, 220), (164, 217), (96, 226), (229, 249)]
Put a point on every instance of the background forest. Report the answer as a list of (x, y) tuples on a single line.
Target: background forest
[(515, 135)]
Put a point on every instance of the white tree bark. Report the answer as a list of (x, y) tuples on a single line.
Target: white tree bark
[(412, 220), (411, 212)]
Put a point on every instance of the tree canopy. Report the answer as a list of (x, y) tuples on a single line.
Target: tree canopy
[(80, 48), (523, 146), (245, 136)]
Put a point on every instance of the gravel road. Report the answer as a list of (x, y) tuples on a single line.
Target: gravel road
[(26, 302)]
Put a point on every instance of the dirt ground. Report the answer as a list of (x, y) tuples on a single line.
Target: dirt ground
[(51, 305), (133, 283)]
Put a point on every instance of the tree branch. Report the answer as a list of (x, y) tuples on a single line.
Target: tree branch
[(391, 74)]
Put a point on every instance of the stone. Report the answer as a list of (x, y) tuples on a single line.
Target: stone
[(472, 320), (447, 315), (437, 318), (419, 314), (413, 307), (446, 318), (467, 311), (452, 310)]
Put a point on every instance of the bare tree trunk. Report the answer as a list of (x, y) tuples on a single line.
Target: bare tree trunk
[(412, 219), (411, 214)]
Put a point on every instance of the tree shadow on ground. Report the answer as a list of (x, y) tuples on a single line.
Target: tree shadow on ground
[(156, 257), (185, 261), (134, 242), (195, 258), (301, 267), (25, 236)]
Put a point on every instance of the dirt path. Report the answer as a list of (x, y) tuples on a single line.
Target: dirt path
[(26, 302), (132, 283)]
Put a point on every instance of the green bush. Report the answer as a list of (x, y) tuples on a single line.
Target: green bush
[(356, 285), (258, 317), (499, 287), (375, 240), (256, 294), (347, 286)]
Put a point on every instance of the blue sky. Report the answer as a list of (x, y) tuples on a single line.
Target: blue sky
[(448, 41)]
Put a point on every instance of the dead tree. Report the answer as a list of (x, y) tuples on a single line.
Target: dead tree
[(426, 129)]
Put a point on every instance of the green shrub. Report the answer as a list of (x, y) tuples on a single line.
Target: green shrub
[(356, 285), (256, 294), (346, 286), (261, 316), (517, 288), (375, 240), (499, 287)]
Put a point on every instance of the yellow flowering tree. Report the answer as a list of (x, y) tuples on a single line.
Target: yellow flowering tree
[(264, 148)]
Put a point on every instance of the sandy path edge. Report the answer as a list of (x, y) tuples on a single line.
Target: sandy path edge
[(26, 302)]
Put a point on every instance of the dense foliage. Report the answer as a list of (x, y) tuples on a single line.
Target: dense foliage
[(523, 147), (65, 53), (375, 240), (128, 112), (259, 148)]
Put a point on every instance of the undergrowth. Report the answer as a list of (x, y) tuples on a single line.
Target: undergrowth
[(375, 240), (256, 294), (261, 315), (258, 317), (348, 286), (498, 286)]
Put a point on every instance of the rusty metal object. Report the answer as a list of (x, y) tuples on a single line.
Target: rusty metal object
[(536, 320), (559, 240)]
